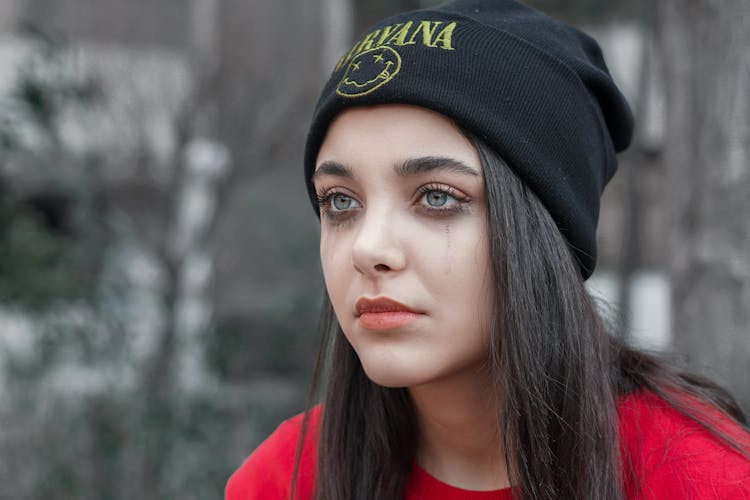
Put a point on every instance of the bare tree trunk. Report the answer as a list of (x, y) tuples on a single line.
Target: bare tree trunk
[(705, 47), (177, 368)]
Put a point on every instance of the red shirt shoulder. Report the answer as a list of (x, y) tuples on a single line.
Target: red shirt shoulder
[(668, 455), (267, 472)]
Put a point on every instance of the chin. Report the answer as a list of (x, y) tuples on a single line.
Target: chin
[(394, 377), (391, 381)]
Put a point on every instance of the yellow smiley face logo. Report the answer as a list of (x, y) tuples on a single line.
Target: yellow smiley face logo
[(368, 71)]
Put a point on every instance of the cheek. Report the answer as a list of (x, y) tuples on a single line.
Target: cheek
[(456, 255), (461, 275), (437, 251), (335, 259)]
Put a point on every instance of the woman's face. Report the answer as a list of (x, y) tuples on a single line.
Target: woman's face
[(403, 220)]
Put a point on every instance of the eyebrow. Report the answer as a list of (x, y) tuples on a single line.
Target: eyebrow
[(333, 168), (429, 163), (411, 166)]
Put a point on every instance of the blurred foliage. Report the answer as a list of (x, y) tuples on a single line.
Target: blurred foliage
[(50, 245), (42, 231), (78, 402), (46, 85), (32, 262), (281, 341)]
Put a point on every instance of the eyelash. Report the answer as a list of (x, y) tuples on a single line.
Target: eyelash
[(461, 204)]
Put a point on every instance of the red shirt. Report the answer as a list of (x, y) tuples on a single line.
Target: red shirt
[(665, 455)]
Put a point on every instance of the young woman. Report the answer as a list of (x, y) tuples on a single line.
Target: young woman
[(456, 159)]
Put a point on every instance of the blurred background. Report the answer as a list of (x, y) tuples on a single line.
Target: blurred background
[(159, 276)]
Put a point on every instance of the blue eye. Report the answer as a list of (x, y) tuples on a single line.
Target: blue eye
[(341, 201), (336, 203), (337, 207), (443, 200), (437, 198)]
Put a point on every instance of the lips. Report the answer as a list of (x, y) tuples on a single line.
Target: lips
[(383, 313), (380, 305)]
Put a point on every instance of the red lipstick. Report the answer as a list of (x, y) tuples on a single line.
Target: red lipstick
[(383, 313)]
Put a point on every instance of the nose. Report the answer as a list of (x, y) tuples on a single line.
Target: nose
[(377, 248)]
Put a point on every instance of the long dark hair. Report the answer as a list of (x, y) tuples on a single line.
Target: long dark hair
[(558, 370)]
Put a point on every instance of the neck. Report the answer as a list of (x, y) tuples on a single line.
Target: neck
[(459, 436)]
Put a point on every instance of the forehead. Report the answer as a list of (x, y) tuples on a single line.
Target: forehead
[(393, 134)]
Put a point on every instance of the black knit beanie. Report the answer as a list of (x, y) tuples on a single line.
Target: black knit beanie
[(533, 89)]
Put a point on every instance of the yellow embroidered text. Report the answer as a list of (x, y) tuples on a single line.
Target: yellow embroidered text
[(433, 34)]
